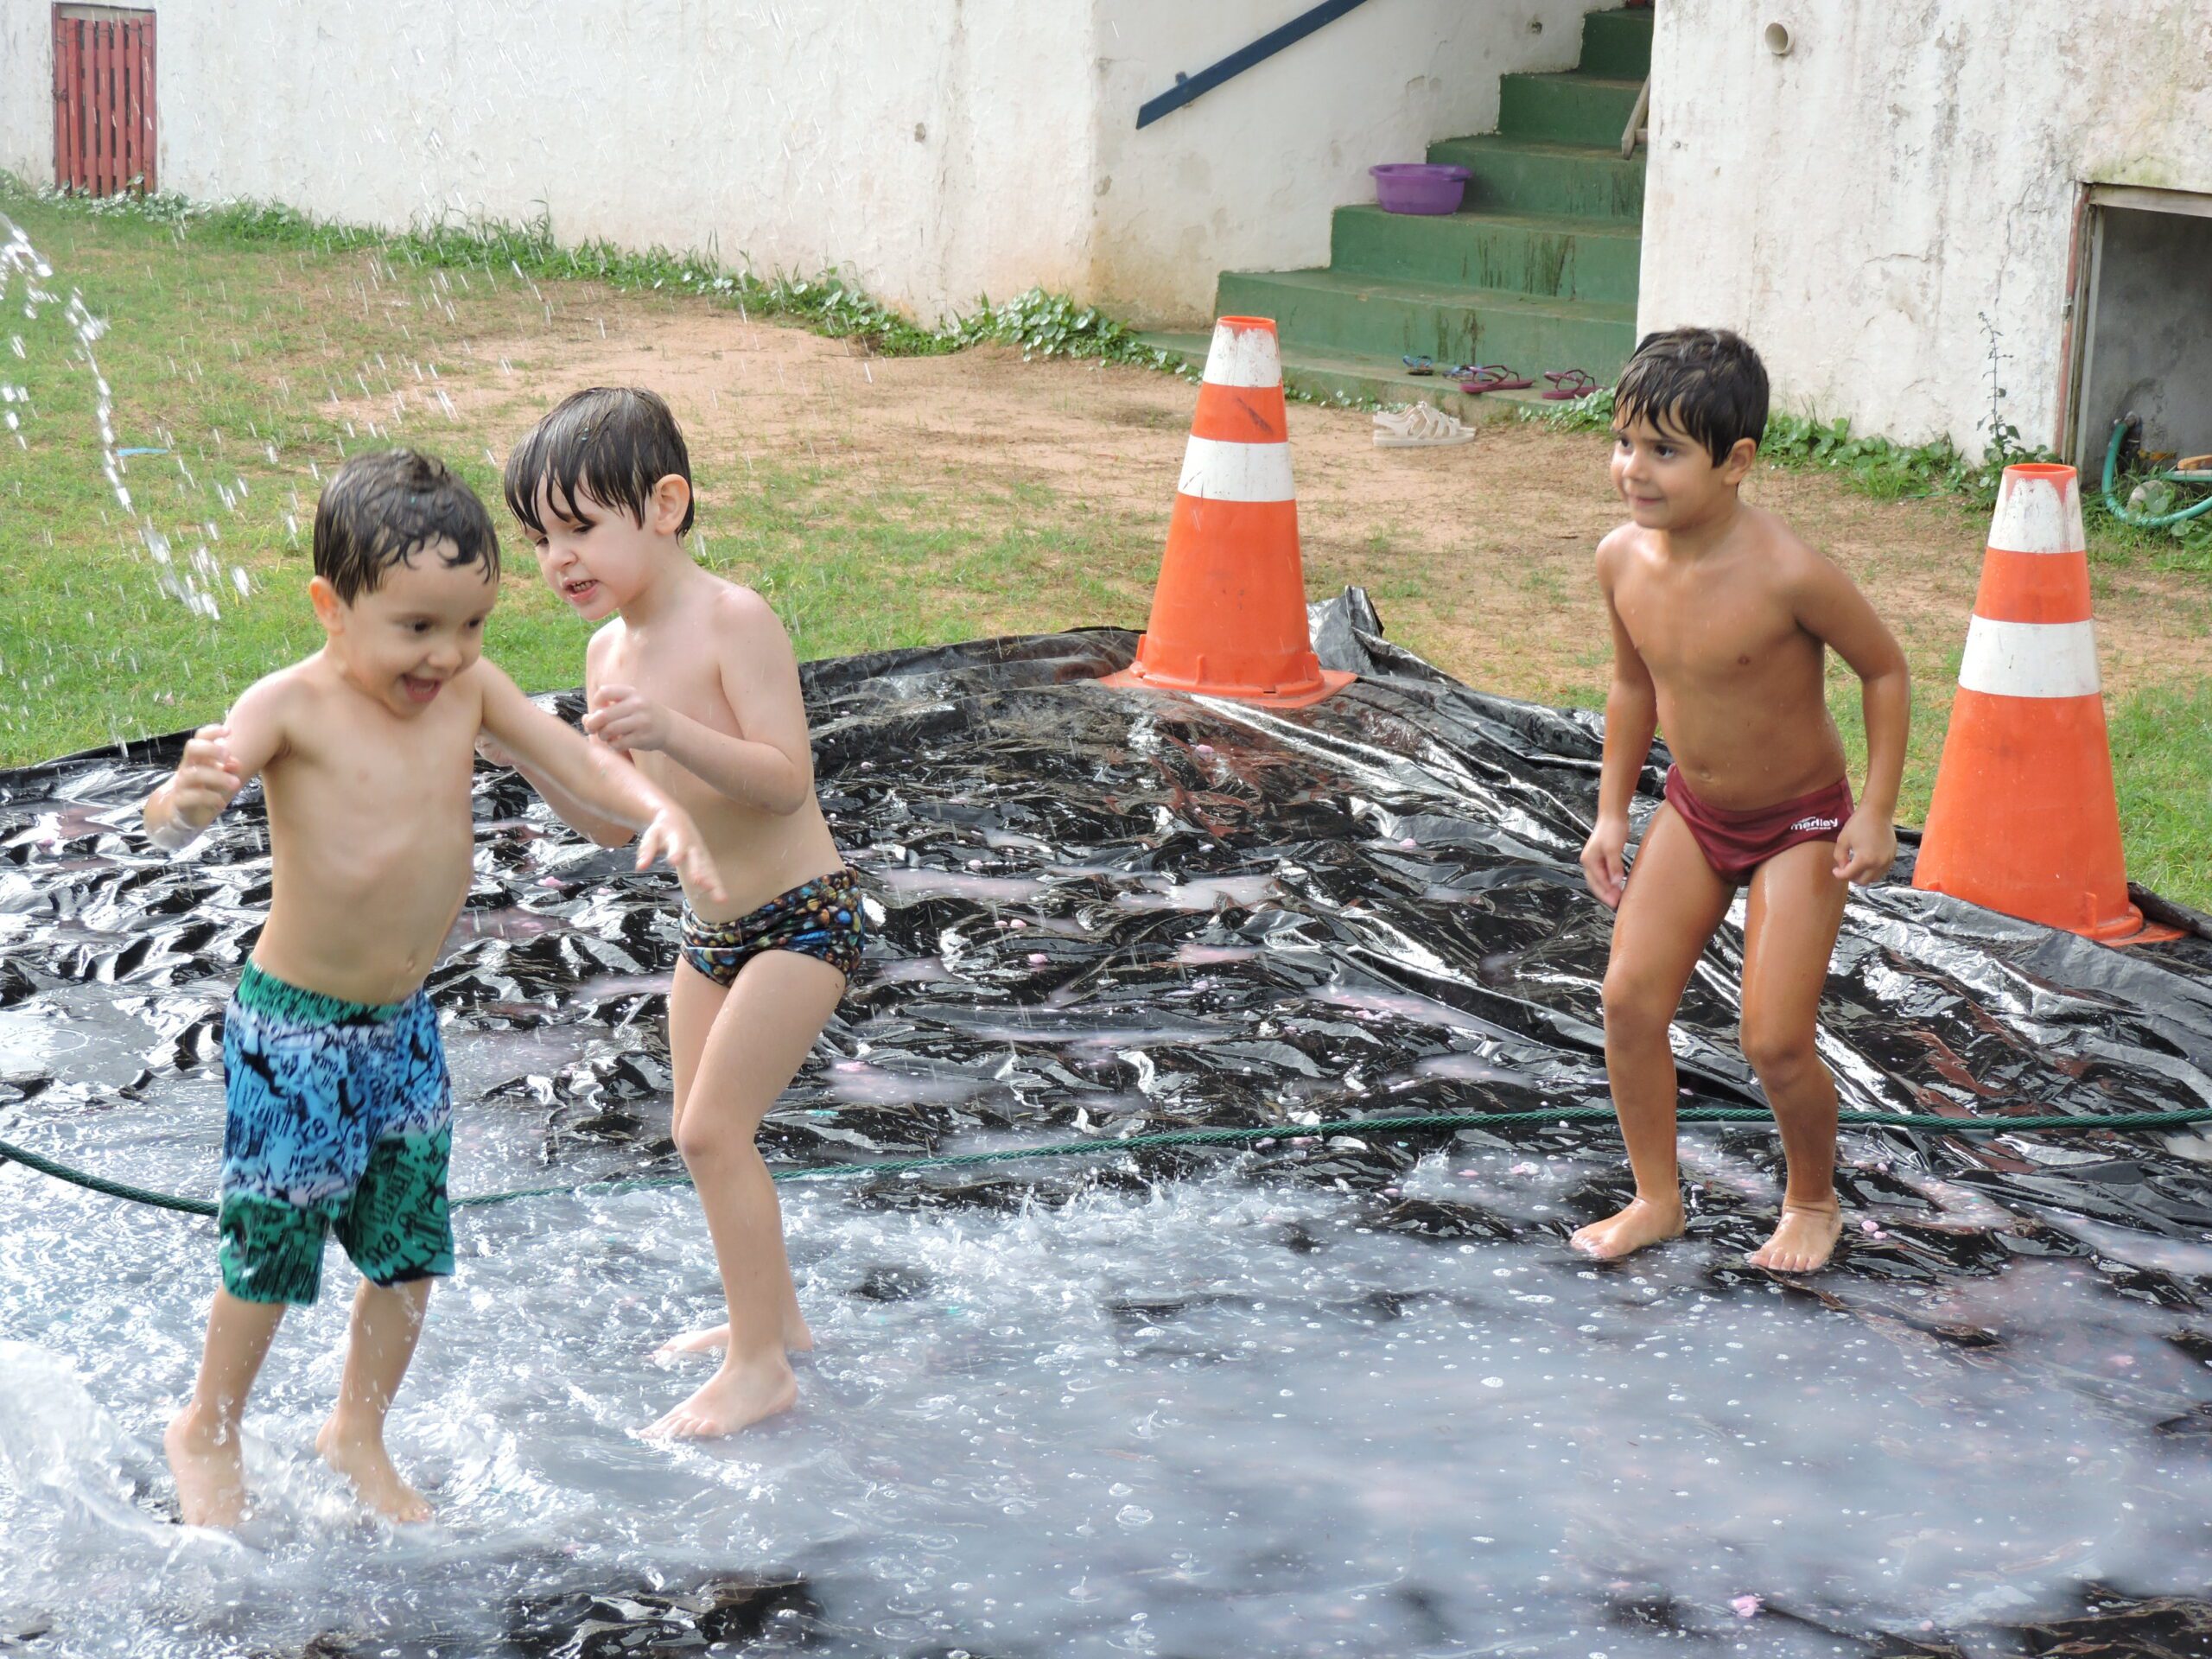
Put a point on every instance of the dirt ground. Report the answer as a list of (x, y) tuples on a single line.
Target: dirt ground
[(1478, 556)]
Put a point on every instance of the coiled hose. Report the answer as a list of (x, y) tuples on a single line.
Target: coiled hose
[(2120, 428)]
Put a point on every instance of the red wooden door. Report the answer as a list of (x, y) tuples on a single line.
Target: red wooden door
[(103, 100)]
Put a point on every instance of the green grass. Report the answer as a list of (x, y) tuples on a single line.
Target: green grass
[(226, 334), (1040, 323), (2162, 762)]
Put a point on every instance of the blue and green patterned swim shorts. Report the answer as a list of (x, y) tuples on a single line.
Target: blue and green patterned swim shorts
[(340, 1120)]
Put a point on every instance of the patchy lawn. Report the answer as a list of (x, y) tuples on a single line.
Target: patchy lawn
[(876, 501)]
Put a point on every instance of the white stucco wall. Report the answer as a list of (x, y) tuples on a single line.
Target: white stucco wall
[(801, 134), (27, 89), (1243, 179), (1857, 205), (938, 150)]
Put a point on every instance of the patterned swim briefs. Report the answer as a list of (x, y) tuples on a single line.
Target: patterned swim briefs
[(341, 1120), (820, 919)]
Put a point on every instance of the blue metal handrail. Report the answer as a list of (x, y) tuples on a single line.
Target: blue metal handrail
[(1189, 87)]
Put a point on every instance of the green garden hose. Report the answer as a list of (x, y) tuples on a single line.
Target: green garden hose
[(2120, 428), (1292, 1135)]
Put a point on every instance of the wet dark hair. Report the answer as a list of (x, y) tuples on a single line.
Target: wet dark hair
[(1707, 382), (379, 509), (613, 443)]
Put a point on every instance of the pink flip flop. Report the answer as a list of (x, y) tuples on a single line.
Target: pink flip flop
[(1570, 383), (1493, 376)]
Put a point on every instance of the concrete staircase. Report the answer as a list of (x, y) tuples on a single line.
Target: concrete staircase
[(1537, 269)]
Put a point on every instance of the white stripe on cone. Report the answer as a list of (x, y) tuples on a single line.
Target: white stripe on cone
[(2036, 515), (2029, 659), (1219, 471), (1243, 357)]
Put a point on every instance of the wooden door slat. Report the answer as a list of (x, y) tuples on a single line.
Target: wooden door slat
[(111, 128), (146, 102), (72, 41), (100, 114)]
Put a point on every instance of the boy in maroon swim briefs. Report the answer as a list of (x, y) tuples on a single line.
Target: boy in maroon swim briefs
[(1722, 620)]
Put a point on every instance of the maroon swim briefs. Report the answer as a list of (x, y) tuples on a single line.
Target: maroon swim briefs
[(1736, 843)]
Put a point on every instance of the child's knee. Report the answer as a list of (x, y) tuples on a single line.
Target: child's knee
[(1781, 1054), (708, 1137), (1634, 1007)]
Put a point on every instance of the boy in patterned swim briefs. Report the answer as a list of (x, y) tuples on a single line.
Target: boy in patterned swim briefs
[(339, 1108), (1722, 620), (695, 679)]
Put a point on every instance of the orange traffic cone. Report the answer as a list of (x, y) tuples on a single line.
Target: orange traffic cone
[(1228, 613), (2023, 818)]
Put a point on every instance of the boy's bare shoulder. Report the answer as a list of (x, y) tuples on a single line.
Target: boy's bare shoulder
[(743, 614), (287, 714), (602, 644), (279, 699), (1795, 563), (1615, 548)]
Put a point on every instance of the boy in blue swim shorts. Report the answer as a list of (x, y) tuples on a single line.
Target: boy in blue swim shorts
[(694, 679), (341, 1120), (340, 1111)]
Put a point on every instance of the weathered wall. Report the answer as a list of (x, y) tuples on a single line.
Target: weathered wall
[(938, 150), (1858, 206), (1243, 179), (931, 148), (26, 88)]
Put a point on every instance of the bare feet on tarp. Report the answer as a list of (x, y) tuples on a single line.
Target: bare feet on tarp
[(734, 1398), (210, 1469), (359, 1454), (1803, 1239), (1643, 1223)]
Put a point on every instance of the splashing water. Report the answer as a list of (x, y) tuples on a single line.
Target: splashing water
[(191, 581), (1211, 1417)]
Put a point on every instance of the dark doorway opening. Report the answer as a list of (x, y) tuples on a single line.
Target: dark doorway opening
[(2142, 305)]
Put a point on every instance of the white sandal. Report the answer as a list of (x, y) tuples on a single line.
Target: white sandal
[(1419, 426)]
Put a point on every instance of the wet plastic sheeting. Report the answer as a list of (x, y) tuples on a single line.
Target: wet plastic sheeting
[(1071, 1407)]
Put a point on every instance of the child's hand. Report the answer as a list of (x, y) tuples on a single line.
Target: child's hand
[(1865, 849), (493, 753), (622, 719), (206, 779), (1605, 861), (671, 835)]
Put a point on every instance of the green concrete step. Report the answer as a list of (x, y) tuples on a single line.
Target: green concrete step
[(1565, 258), (1514, 175), (1569, 109), (1618, 44), (1369, 316), (1347, 378)]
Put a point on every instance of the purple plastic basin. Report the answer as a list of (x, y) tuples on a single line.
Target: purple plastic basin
[(1418, 186)]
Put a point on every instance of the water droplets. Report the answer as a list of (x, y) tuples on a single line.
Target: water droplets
[(189, 584)]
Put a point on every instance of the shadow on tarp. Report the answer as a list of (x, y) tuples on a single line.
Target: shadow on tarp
[(1101, 911)]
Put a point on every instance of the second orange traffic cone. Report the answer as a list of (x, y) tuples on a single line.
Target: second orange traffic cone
[(2023, 819), (1228, 613)]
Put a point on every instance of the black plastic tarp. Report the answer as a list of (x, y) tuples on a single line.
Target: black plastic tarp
[(1227, 916), (1100, 911)]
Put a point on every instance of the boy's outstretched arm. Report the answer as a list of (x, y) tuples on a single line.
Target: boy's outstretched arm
[(770, 768), (218, 761), (1631, 720), (596, 778), (1831, 608), (602, 831)]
